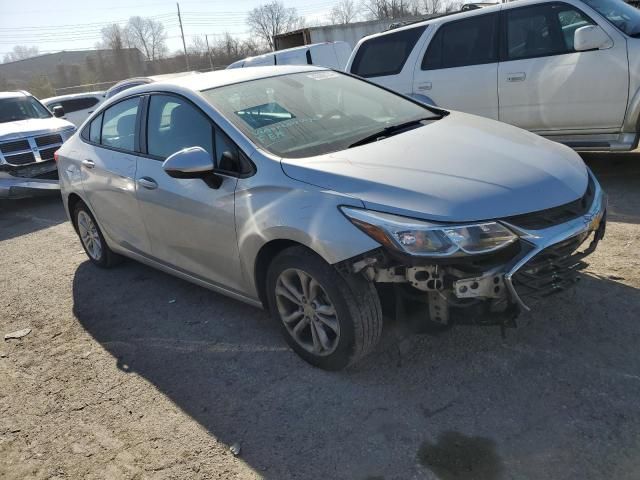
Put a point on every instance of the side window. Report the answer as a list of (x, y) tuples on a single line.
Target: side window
[(463, 43), (95, 128), (174, 124), (387, 54), (542, 30), (570, 20), (119, 125), (77, 104)]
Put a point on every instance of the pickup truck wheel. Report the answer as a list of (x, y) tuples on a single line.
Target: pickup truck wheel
[(329, 320), (92, 239)]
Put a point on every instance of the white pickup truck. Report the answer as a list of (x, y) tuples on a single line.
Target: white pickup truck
[(29, 137), (568, 70)]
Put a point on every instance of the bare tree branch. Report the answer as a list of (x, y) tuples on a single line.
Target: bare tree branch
[(345, 11), (271, 19), (20, 52)]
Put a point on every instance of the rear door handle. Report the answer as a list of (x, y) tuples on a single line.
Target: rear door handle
[(425, 86), (148, 183), (516, 77), (88, 163)]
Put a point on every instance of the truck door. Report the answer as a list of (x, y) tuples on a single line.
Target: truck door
[(459, 66)]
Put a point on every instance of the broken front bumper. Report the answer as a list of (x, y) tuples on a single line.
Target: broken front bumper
[(28, 180), (554, 258)]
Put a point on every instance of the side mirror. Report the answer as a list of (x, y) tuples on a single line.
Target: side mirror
[(591, 37), (58, 111), (192, 162)]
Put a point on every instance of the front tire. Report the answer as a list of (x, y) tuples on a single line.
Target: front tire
[(328, 320), (92, 239)]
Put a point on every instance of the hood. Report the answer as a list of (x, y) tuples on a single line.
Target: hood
[(460, 168), (31, 127)]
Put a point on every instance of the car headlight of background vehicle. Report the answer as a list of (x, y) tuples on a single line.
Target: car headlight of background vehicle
[(420, 238)]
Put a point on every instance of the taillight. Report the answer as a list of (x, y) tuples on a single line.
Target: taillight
[(55, 156)]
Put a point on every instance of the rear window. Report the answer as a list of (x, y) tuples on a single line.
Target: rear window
[(387, 54)]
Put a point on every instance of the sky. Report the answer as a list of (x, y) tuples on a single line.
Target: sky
[(75, 24)]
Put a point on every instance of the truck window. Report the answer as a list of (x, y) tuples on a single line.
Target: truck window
[(462, 43), (387, 54), (542, 30)]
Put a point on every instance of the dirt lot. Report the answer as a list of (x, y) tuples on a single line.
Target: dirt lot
[(131, 373)]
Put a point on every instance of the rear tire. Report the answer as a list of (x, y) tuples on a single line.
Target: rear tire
[(92, 239), (329, 320)]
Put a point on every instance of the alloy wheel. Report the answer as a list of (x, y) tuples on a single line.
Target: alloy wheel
[(307, 312), (89, 235)]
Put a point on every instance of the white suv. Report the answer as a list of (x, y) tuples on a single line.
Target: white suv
[(568, 70)]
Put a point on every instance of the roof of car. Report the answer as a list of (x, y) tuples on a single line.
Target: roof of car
[(72, 95), (220, 78), (12, 94)]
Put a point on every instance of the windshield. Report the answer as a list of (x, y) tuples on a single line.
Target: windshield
[(21, 108), (312, 113), (621, 14)]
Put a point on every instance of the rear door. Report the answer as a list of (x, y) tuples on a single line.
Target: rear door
[(108, 174), (459, 66), (388, 59), (191, 225), (546, 86)]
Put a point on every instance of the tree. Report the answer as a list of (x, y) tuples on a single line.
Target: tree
[(20, 52), (271, 19), (343, 12), (453, 6), (387, 9), (431, 7), (148, 36), (113, 37)]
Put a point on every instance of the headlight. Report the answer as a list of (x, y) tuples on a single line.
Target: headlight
[(426, 239)]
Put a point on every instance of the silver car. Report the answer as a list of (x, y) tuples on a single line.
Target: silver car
[(330, 202)]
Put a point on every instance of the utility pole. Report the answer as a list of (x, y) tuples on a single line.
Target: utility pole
[(206, 37), (184, 44)]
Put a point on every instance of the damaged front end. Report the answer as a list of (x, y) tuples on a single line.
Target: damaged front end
[(434, 275)]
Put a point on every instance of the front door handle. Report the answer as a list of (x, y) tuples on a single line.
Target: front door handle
[(516, 77), (88, 163), (425, 86), (148, 183)]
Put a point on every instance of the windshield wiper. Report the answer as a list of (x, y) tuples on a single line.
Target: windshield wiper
[(391, 130)]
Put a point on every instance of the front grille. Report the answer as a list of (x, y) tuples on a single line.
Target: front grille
[(20, 158), (19, 152), (47, 153), (48, 140), (14, 146), (552, 270), (557, 215)]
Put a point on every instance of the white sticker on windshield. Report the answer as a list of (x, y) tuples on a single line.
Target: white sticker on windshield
[(322, 75)]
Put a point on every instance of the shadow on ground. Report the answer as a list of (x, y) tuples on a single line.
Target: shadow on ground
[(24, 216), (619, 174), (555, 399)]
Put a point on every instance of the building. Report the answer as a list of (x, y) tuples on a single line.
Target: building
[(53, 73)]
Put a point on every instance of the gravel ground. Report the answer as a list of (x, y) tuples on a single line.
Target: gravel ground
[(131, 373)]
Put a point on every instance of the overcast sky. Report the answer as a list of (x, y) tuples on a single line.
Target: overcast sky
[(75, 24)]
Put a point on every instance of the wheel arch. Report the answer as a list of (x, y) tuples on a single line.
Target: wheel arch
[(263, 259)]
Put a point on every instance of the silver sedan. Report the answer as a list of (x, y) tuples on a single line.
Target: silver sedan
[(330, 202)]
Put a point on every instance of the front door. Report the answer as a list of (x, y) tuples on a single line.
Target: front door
[(544, 85), (459, 68), (191, 226)]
